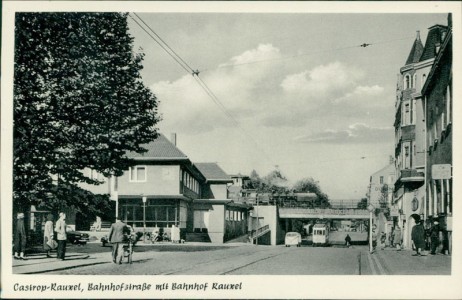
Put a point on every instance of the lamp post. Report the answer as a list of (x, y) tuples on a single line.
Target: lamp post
[(258, 221), (144, 217), (370, 208)]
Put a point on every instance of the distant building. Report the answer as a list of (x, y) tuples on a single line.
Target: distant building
[(438, 95), (410, 128), (380, 195)]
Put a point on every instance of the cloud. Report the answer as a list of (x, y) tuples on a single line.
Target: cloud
[(361, 94), (272, 93), (356, 133), (186, 107), (323, 81)]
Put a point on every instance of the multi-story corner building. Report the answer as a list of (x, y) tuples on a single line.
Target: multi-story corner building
[(438, 96), (410, 132)]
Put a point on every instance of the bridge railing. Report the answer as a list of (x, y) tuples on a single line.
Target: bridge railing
[(259, 231), (325, 211)]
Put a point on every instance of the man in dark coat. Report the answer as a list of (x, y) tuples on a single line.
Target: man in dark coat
[(435, 237), (117, 237), (418, 237), (20, 237)]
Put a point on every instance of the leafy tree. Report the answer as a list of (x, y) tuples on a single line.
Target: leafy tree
[(309, 185), (79, 102)]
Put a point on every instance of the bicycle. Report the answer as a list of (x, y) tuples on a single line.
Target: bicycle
[(128, 248)]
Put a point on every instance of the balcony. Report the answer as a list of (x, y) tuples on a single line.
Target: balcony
[(408, 132), (411, 175)]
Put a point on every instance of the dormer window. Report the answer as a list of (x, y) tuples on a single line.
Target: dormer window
[(437, 48)]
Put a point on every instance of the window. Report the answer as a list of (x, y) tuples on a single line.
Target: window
[(407, 82), (381, 179), (137, 174), (406, 114), (424, 78), (448, 104), (414, 81)]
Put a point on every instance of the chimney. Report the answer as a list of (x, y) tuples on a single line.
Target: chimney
[(391, 160), (173, 138), (418, 35)]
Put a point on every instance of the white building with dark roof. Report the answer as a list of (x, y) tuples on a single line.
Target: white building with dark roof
[(164, 188)]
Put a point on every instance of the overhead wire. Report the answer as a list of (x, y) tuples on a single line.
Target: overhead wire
[(195, 74), (364, 45), (206, 88)]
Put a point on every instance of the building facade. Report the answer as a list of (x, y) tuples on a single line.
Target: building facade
[(380, 195), (164, 188), (437, 93), (410, 133)]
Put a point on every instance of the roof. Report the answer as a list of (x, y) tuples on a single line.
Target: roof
[(212, 172), (435, 36), (159, 149), (416, 51)]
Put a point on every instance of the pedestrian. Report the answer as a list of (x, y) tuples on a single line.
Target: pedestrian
[(60, 229), (117, 236), (397, 238), (435, 237), (49, 242), (20, 237), (374, 239), (98, 223), (418, 238), (383, 240), (348, 240)]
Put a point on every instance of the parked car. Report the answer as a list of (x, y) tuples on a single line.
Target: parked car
[(293, 239), (76, 237)]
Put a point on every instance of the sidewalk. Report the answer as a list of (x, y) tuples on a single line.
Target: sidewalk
[(39, 263), (392, 262)]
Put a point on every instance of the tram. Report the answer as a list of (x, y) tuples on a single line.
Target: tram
[(320, 235)]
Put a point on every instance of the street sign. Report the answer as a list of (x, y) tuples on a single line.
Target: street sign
[(370, 208), (442, 171)]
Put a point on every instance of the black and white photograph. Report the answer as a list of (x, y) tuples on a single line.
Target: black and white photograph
[(301, 149)]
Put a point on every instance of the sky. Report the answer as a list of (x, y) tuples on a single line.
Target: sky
[(300, 94)]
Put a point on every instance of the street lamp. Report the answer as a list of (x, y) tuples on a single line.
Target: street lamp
[(370, 208), (256, 231), (144, 217)]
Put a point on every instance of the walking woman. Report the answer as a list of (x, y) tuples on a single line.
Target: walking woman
[(60, 228), (48, 238)]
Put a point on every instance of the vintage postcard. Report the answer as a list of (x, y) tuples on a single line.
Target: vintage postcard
[(230, 149)]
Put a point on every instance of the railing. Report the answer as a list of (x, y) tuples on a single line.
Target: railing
[(259, 231), (326, 211)]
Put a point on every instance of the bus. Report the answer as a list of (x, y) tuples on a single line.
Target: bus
[(320, 235)]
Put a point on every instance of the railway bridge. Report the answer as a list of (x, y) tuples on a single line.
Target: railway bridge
[(322, 213)]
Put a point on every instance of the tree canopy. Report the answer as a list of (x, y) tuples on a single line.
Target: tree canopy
[(309, 185), (276, 183), (79, 102)]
